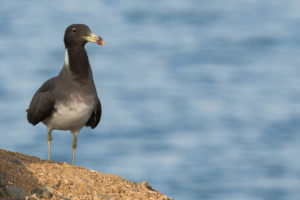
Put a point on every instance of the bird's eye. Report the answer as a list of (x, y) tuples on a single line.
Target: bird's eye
[(74, 30)]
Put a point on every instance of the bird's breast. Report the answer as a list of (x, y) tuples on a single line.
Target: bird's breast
[(71, 114)]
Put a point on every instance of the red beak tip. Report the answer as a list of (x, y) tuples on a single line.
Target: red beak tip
[(100, 42)]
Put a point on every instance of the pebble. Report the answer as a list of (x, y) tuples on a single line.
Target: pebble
[(2, 193), (16, 161), (2, 180), (144, 184), (15, 192), (42, 193), (101, 196), (58, 183), (58, 197), (88, 190), (32, 197)]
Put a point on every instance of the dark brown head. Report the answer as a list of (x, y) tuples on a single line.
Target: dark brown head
[(79, 35)]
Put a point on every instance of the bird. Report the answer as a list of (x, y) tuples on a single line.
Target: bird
[(69, 101)]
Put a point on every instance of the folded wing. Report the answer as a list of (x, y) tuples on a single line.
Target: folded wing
[(42, 103), (95, 116)]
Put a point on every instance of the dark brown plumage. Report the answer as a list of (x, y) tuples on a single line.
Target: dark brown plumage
[(69, 101)]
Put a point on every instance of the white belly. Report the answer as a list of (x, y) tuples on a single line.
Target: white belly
[(70, 116)]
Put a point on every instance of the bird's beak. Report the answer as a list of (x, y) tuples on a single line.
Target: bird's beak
[(94, 38)]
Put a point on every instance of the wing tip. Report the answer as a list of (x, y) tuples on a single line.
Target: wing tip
[(30, 118)]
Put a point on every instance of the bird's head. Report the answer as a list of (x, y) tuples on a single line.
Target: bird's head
[(79, 35)]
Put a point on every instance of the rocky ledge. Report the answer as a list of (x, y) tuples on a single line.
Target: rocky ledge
[(27, 177)]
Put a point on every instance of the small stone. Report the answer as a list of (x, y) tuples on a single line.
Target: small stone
[(16, 161), (146, 185), (2, 179), (46, 193), (58, 184), (15, 192), (50, 189), (42, 192), (88, 189), (37, 191), (33, 197), (58, 197), (104, 197), (2, 193)]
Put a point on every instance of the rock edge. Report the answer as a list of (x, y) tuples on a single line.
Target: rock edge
[(28, 177)]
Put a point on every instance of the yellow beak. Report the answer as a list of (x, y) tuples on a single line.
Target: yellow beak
[(94, 38)]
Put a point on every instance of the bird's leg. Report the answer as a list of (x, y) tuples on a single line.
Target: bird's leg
[(49, 139), (74, 145)]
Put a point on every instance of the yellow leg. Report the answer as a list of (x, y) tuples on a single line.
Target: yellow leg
[(49, 139), (74, 145)]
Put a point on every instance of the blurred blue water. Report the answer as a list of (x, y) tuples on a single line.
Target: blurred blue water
[(200, 98)]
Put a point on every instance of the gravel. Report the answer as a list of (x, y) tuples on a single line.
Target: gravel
[(29, 177)]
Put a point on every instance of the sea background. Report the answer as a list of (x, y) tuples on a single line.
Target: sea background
[(200, 98)]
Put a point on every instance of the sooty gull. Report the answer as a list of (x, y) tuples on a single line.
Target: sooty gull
[(69, 101)]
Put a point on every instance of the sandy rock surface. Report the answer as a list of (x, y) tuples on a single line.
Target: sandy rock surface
[(27, 177)]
